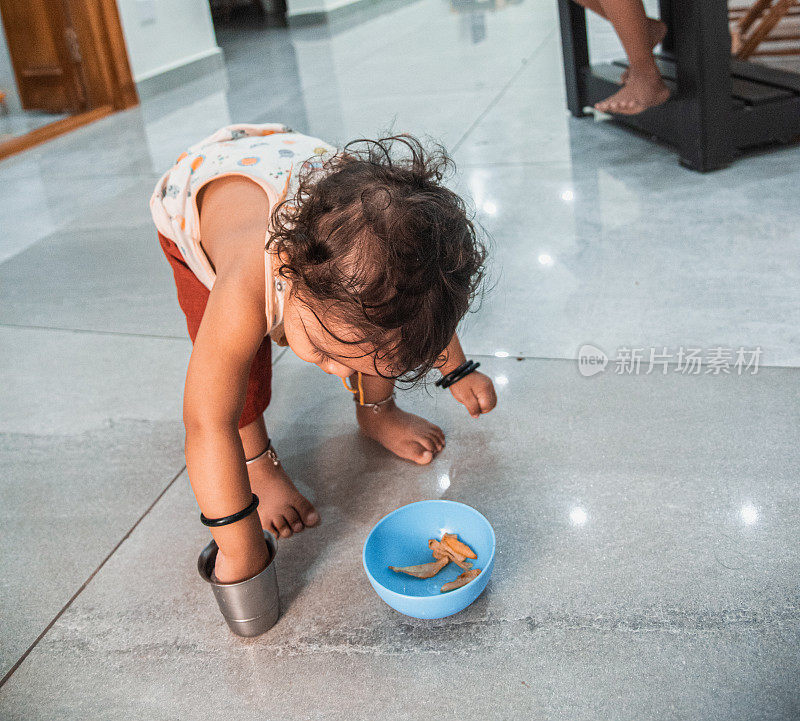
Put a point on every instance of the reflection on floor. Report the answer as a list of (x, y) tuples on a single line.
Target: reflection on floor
[(16, 123), (646, 515)]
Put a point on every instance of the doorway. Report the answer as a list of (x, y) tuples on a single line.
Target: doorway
[(247, 13), (63, 63)]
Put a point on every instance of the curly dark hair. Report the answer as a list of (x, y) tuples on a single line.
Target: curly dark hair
[(374, 238)]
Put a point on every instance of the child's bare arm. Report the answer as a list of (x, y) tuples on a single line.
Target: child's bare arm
[(233, 326), (454, 356), (475, 391)]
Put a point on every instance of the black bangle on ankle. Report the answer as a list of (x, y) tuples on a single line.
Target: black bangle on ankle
[(227, 520), (454, 376)]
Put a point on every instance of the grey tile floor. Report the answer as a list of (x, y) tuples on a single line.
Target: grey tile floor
[(648, 525), (18, 122)]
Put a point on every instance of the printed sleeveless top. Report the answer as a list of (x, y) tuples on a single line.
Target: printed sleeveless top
[(271, 155)]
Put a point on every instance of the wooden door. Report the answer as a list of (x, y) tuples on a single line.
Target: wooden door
[(44, 52)]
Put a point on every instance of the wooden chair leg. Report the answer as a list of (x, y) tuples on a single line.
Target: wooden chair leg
[(752, 14), (770, 19)]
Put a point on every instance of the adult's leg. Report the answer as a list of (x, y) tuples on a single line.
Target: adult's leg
[(644, 87), (593, 5), (656, 29)]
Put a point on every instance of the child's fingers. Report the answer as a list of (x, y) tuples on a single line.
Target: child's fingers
[(487, 400), (472, 404)]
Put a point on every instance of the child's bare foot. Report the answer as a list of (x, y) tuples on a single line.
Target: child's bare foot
[(656, 31), (637, 95), (402, 433), (282, 509)]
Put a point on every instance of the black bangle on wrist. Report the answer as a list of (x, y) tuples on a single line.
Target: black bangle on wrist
[(456, 375), (227, 520)]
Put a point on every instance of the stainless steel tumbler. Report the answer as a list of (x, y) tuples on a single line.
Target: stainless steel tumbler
[(249, 607)]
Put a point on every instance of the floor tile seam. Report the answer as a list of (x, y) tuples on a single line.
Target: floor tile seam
[(565, 164), (76, 226), (492, 103), (92, 331), (32, 175), (309, 648), (697, 624), (109, 423), (89, 579), (510, 356), (521, 357)]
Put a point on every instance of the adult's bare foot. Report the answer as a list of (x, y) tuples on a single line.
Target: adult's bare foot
[(637, 95), (404, 434), (656, 31), (283, 510)]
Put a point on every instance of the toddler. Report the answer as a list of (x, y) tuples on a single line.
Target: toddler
[(360, 261)]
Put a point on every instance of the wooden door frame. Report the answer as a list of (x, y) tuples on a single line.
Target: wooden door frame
[(106, 72), (105, 57)]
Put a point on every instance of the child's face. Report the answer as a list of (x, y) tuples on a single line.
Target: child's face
[(312, 343)]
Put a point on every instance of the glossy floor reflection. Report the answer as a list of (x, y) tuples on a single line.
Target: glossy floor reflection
[(646, 567), (647, 524)]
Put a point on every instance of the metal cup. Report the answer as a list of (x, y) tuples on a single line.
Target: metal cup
[(249, 607)]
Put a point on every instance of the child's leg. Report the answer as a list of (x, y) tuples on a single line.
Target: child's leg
[(282, 509), (644, 87), (404, 434)]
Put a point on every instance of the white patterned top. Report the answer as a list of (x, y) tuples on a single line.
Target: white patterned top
[(271, 155)]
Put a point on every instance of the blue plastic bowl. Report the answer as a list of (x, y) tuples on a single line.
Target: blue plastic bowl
[(401, 539)]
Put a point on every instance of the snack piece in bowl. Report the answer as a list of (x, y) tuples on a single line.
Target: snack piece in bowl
[(440, 550), (451, 540), (423, 570), (444, 551), (462, 580)]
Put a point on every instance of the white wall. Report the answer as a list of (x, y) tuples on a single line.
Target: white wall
[(164, 34), (7, 81)]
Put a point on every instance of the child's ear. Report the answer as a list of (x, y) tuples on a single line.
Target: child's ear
[(283, 257)]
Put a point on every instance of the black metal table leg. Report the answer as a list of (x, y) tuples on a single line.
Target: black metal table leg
[(665, 14), (702, 52), (575, 48)]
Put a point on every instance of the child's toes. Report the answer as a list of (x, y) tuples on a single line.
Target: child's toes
[(420, 454), (284, 531), (307, 512), (293, 519), (436, 444)]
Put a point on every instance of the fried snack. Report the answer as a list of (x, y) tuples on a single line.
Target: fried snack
[(451, 540), (424, 570), (442, 551), (462, 580), (439, 547)]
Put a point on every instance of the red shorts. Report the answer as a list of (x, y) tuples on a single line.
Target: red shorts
[(192, 297)]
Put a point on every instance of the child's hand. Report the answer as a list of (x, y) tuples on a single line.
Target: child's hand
[(476, 392)]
